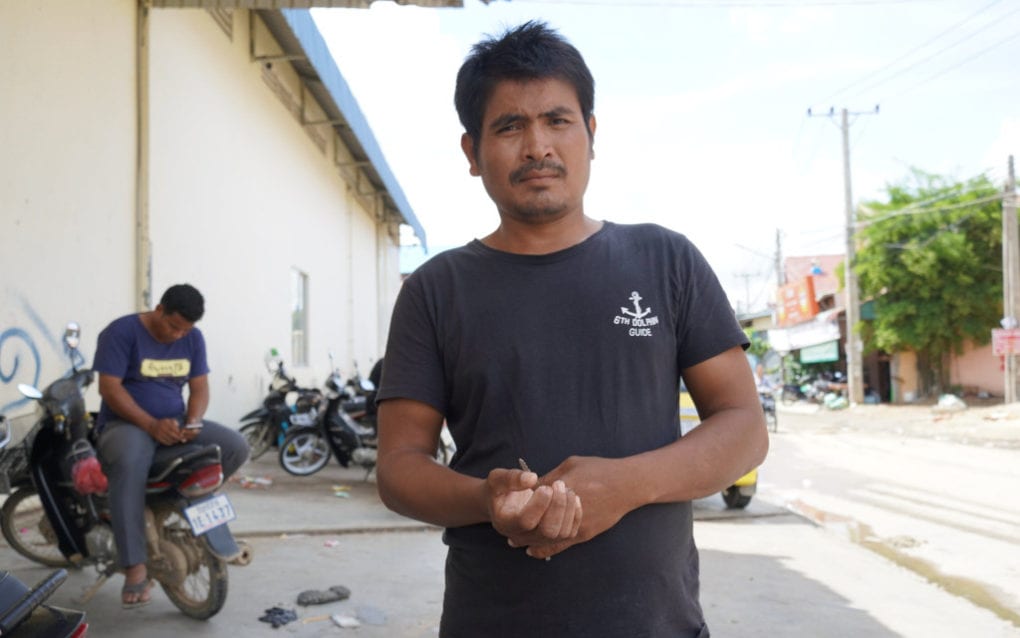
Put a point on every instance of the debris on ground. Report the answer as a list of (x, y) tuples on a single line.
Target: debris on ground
[(950, 403), (253, 482), (320, 596), (342, 491), (345, 621), (278, 616)]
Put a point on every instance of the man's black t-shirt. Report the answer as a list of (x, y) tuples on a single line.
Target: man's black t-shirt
[(577, 352)]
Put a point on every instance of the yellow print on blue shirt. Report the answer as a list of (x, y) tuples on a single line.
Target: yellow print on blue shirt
[(165, 367)]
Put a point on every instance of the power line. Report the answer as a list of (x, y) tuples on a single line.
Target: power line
[(957, 65), (943, 50), (935, 209), (912, 51)]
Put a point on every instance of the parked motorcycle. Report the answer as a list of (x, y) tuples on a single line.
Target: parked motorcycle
[(58, 513), (359, 399), (306, 450), (826, 389), (266, 426), (24, 614)]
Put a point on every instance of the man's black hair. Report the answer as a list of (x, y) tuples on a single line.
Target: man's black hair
[(184, 300), (532, 51)]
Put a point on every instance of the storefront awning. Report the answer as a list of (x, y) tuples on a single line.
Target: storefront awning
[(824, 327)]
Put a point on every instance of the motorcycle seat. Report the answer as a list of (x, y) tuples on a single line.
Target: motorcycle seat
[(168, 459)]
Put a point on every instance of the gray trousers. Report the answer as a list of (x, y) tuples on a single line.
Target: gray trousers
[(126, 453)]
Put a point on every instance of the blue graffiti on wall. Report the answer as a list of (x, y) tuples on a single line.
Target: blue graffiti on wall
[(26, 362), (8, 376)]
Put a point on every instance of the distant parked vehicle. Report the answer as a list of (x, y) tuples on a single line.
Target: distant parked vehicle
[(738, 495), (266, 426)]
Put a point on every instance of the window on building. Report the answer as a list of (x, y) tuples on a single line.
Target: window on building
[(299, 317)]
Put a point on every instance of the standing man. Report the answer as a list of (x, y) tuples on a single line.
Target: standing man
[(560, 340), (144, 361)]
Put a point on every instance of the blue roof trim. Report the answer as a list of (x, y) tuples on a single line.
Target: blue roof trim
[(304, 29)]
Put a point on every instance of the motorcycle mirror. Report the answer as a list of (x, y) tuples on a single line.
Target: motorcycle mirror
[(5, 432), (72, 335), (29, 391), (273, 360)]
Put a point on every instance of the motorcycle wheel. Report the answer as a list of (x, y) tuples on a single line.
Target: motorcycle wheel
[(258, 435), (28, 531), (304, 452), (771, 420), (734, 499), (202, 592)]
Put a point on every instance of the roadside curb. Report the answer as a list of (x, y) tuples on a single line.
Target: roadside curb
[(336, 531)]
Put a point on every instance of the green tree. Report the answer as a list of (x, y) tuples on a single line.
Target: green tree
[(930, 259)]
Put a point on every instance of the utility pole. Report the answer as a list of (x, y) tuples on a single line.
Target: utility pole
[(854, 375), (780, 278), (852, 346), (1010, 278)]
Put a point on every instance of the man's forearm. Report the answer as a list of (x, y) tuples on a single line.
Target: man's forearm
[(706, 460), (414, 485), (198, 399)]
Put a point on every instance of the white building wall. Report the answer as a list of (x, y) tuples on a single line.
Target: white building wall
[(67, 136), (239, 195)]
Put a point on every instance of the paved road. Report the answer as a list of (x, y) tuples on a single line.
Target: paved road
[(932, 492), (766, 571)]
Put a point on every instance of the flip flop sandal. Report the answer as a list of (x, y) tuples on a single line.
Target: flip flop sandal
[(140, 588)]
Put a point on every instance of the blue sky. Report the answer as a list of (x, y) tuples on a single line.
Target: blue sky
[(702, 110)]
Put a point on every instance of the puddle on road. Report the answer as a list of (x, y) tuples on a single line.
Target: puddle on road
[(890, 549)]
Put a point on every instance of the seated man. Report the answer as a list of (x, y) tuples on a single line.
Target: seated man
[(144, 361)]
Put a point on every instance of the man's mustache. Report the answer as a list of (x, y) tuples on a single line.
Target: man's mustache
[(544, 165)]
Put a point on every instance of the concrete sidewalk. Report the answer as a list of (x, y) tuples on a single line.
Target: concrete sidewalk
[(271, 502)]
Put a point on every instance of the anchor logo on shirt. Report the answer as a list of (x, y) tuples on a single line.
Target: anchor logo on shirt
[(637, 313)]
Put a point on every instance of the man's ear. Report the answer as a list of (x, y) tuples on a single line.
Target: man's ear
[(467, 144), (591, 136)]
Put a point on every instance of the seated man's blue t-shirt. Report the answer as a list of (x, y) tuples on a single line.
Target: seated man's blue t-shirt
[(153, 373)]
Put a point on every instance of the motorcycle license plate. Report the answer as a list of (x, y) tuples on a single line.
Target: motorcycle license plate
[(210, 514)]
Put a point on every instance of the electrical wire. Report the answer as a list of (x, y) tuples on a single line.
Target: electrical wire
[(947, 48), (957, 65), (911, 51), (935, 209)]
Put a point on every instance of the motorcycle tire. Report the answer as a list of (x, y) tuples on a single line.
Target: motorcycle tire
[(203, 591), (304, 452), (28, 531), (771, 420), (734, 499), (259, 438)]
